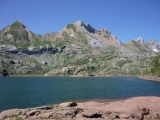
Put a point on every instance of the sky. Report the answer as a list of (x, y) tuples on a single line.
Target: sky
[(126, 19)]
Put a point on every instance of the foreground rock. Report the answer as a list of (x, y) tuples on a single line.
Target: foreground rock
[(137, 108)]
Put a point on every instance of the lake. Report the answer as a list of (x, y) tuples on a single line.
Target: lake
[(25, 92)]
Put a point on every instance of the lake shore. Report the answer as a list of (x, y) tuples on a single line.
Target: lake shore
[(136, 108), (153, 78)]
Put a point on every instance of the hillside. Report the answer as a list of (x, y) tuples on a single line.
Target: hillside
[(78, 49), (153, 67)]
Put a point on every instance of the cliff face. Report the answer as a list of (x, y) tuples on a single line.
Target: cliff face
[(79, 46)]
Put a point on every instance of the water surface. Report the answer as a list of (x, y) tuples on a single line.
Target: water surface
[(25, 92)]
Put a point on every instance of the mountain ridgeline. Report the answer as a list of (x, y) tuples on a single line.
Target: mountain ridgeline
[(78, 49)]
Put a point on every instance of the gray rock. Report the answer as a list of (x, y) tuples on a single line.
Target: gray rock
[(33, 112), (154, 45), (85, 25), (68, 104), (12, 62), (96, 43), (140, 40), (91, 114), (9, 113), (8, 48), (44, 108), (46, 115)]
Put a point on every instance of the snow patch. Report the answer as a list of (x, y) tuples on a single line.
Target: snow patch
[(155, 50)]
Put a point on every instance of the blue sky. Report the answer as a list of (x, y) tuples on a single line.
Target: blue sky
[(126, 19)]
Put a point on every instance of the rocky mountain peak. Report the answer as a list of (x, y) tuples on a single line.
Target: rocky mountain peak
[(17, 25), (17, 33), (79, 23), (105, 30), (87, 26), (140, 40)]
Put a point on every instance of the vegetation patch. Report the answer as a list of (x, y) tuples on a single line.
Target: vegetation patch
[(16, 117), (154, 66), (71, 26), (59, 43), (15, 25)]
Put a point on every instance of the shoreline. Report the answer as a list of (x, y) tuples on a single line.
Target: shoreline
[(137, 108), (71, 76), (151, 78)]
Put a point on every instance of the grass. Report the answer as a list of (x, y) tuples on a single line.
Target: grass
[(19, 35), (37, 42), (156, 66), (71, 26), (138, 46), (81, 62), (19, 46), (16, 117), (59, 42), (111, 57), (15, 25), (120, 64), (55, 106), (153, 66), (24, 46)]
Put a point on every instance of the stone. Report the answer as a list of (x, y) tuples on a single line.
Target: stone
[(44, 108), (144, 111), (4, 73), (12, 62), (11, 48), (96, 43), (9, 113), (68, 104), (91, 114), (85, 25), (32, 112), (46, 115), (140, 40), (124, 116)]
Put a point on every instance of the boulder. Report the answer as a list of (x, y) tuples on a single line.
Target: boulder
[(91, 114), (10, 48), (44, 108), (12, 62), (96, 43), (4, 73), (9, 113), (32, 113), (46, 115), (68, 104)]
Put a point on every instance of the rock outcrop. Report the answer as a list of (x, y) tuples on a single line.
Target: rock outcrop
[(4, 73), (140, 40), (85, 25)]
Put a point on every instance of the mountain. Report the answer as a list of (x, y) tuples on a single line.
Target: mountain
[(78, 49)]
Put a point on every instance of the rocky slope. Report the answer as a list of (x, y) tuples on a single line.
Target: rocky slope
[(137, 108), (78, 49), (152, 71)]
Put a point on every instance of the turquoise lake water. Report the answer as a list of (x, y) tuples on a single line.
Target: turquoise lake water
[(25, 92)]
